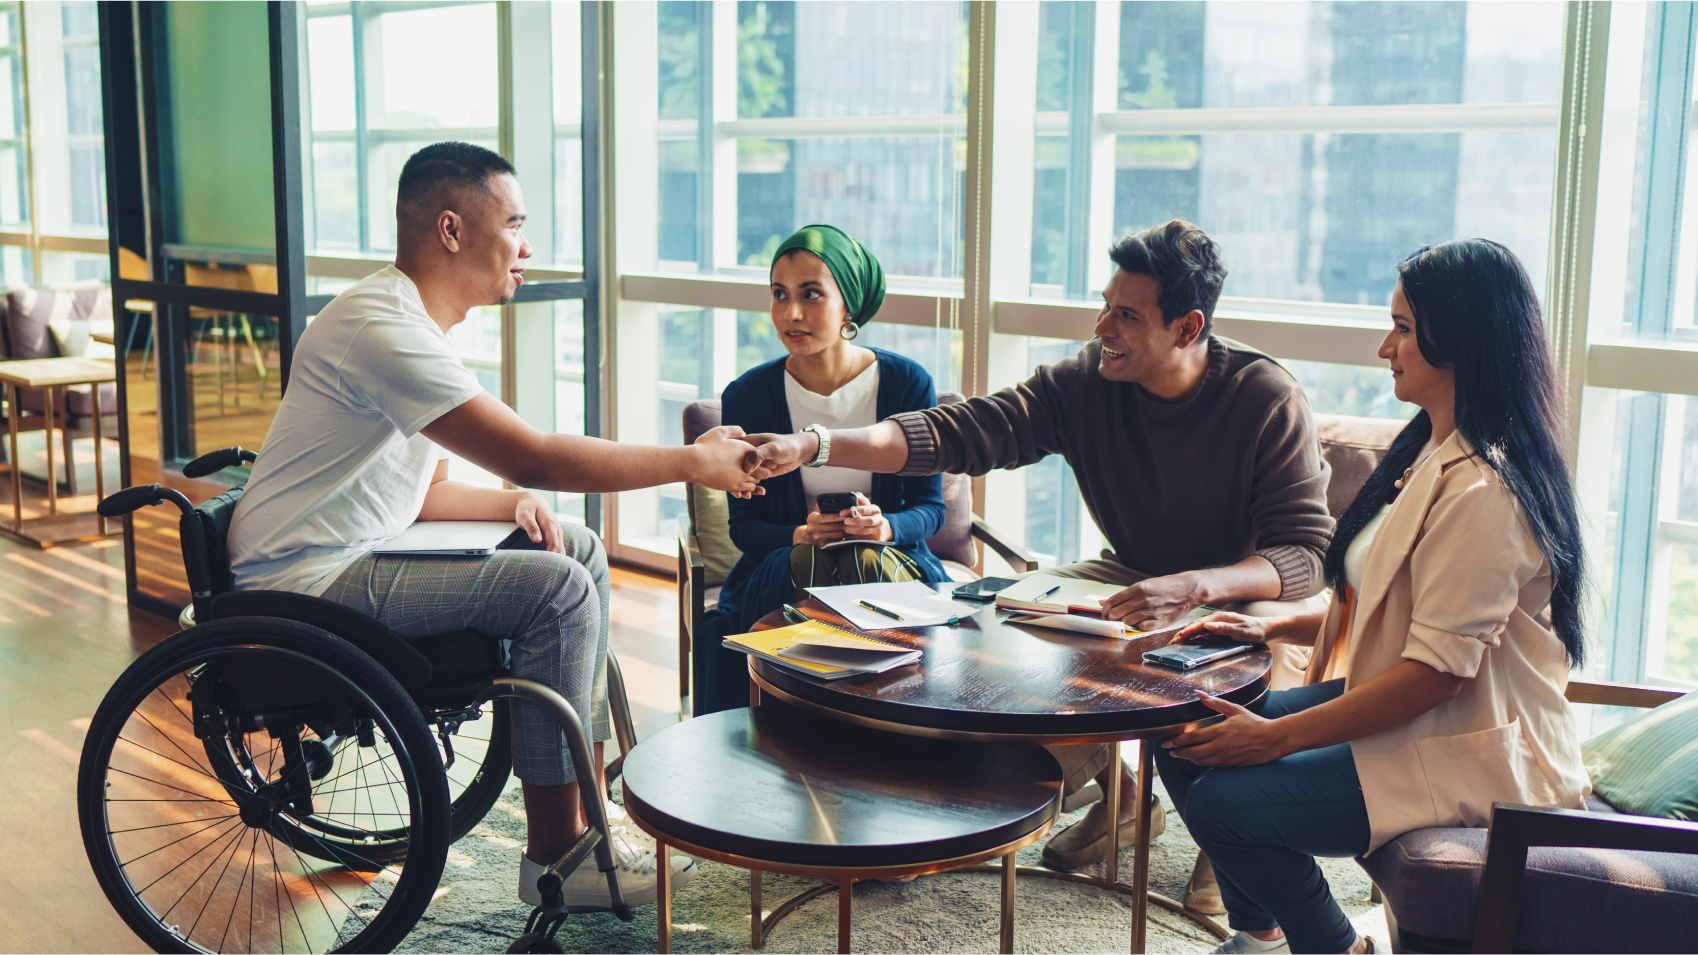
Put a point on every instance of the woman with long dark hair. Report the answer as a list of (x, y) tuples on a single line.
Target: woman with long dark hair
[(1436, 686)]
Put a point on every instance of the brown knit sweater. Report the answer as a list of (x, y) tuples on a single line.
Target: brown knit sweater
[(1233, 470)]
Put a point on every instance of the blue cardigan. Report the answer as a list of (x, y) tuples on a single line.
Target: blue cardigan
[(762, 527)]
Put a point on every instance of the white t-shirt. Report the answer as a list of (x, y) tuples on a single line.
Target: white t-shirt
[(344, 467), (855, 405), (1356, 555)]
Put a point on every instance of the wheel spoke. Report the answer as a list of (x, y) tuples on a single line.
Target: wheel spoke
[(167, 825), (169, 845), (171, 786), (203, 769)]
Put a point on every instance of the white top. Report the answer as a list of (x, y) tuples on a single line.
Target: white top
[(344, 467), (1356, 557), (855, 405)]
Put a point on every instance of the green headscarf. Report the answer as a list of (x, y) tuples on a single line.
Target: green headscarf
[(859, 276)]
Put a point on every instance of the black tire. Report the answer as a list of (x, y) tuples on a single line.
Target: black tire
[(139, 795)]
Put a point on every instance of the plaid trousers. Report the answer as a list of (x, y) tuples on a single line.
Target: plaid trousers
[(552, 608)]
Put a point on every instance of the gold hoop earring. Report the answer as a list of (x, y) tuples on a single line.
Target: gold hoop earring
[(848, 330)]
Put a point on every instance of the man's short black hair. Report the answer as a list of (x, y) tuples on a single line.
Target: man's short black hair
[(450, 162), (1184, 261)]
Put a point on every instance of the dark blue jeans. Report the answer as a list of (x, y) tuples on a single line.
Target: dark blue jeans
[(1263, 826)]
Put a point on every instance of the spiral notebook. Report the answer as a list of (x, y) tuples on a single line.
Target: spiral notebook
[(821, 650)]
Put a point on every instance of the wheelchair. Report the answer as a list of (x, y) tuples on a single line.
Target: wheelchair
[(288, 774)]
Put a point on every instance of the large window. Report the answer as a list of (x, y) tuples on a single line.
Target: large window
[(756, 130), (1319, 143), (52, 145), (1638, 474), (377, 91)]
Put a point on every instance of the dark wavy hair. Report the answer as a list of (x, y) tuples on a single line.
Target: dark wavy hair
[(1184, 261), (1476, 313)]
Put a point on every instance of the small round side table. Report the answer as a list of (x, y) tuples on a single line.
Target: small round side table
[(775, 789)]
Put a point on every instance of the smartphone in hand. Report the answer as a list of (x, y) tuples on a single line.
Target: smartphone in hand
[(837, 502)]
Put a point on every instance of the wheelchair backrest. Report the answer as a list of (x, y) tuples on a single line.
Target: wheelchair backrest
[(214, 520)]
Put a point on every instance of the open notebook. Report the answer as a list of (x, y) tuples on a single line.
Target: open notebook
[(822, 650), (1041, 594)]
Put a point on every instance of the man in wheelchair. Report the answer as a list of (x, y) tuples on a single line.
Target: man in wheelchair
[(377, 400)]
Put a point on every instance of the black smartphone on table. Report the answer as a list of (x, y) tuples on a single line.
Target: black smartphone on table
[(984, 589), (1190, 656), (837, 502)]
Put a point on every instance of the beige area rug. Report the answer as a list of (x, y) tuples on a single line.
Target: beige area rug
[(476, 908)]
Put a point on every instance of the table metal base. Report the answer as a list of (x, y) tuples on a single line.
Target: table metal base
[(760, 925), (1123, 888)]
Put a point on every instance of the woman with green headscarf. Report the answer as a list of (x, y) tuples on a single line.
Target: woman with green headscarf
[(825, 287)]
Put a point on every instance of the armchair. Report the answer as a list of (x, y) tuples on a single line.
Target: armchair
[(1592, 880)]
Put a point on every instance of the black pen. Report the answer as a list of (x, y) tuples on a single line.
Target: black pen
[(875, 607), (1046, 593)]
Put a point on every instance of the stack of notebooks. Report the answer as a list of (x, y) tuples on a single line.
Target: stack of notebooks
[(822, 651)]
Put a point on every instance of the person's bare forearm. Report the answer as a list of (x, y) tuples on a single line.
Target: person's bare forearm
[(1298, 629), (453, 501), (488, 434), (1253, 578), (569, 462), (1388, 700)]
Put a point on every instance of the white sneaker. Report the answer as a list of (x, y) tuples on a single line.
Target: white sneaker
[(1243, 943), (586, 887)]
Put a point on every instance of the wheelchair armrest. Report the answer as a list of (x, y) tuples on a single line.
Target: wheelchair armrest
[(409, 667)]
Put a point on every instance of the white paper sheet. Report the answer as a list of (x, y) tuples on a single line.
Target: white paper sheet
[(916, 603)]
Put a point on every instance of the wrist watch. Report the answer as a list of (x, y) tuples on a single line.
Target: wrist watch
[(824, 454)]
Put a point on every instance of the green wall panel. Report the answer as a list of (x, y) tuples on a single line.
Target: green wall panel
[(221, 123)]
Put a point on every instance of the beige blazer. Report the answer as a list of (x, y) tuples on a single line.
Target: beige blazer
[(1455, 579)]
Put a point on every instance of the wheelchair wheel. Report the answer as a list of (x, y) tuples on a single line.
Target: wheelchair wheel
[(264, 849)]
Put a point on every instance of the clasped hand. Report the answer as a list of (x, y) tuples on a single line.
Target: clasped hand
[(727, 462), (864, 521)]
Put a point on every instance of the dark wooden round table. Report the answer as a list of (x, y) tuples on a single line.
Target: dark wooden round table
[(771, 789), (989, 680)]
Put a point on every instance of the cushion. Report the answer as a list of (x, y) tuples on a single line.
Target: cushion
[(1352, 447), (1648, 766), (711, 515), (1431, 879), (960, 573)]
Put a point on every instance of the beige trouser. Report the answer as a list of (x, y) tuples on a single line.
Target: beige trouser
[(1081, 762)]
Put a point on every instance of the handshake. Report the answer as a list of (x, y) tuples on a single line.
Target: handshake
[(726, 459)]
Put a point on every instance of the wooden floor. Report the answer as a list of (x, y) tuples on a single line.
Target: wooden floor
[(66, 633)]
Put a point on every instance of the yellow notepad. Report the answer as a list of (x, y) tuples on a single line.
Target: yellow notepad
[(770, 645)]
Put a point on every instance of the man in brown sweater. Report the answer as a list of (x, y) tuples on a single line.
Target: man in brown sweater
[(1196, 456)]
